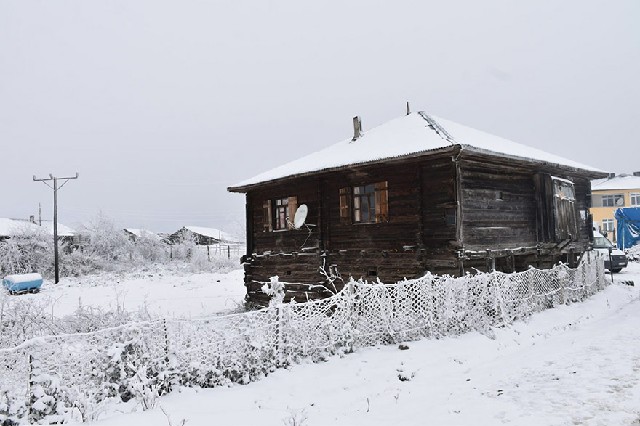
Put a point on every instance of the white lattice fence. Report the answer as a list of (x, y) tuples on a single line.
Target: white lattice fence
[(442, 305), (55, 377), (49, 376), (220, 350)]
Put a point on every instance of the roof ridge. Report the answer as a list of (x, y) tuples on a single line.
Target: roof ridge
[(438, 128)]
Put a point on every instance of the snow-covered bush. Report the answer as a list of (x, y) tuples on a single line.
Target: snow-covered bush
[(23, 319), (105, 247), (78, 263), (28, 251), (10, 407), (149, 248), (133, 373), (633, 253), (107, 241), (44, 401), (275, 289)]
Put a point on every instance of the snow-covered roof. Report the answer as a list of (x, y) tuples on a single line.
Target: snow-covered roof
[(63, 230), (10, 227), (413, 134), (138, 232), (213, 233), (622, 181)]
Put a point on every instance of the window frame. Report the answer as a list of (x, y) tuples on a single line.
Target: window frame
[(608, 225), (371, 197), (613, 198), (636, 196), (363, 204), (278, 213), (564, 209)]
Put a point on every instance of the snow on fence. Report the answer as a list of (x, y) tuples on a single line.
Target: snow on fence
[(73, 376), (209, 251)]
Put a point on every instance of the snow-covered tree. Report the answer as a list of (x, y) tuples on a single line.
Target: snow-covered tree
[(150, 248), (106, 240), (29, 250)]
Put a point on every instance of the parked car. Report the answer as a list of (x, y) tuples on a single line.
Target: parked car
[(615, 261)]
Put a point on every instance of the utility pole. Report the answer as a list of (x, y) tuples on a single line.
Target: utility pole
[(55, 213)]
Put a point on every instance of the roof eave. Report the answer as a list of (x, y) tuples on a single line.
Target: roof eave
[(591, 173), (426, 153)]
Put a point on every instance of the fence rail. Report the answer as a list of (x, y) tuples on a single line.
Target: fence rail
[(72, 376)]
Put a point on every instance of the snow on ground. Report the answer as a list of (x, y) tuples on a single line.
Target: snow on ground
[(166, 293), (577, 364)]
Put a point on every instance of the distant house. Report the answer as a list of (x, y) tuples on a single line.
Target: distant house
[(135, 233), (203, 236), (65, 233), (12, 227), (416, 194), (610, 194)]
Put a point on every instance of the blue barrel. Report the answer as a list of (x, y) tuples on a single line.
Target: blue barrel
[(22, 283)]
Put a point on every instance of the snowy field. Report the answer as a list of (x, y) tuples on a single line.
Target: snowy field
[(577, 364), (168, 293)]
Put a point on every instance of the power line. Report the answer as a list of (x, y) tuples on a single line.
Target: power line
[(55, 212)]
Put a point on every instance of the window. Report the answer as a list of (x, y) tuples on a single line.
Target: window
[(278, 213), (557, 208), (608, 225), (635, 199), (601, 242), (616, 200), (564, 190), (281, 213), (450, 216), (564, 209), (365, 204)]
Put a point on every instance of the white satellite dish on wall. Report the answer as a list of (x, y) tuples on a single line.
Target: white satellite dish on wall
[(301, 216)]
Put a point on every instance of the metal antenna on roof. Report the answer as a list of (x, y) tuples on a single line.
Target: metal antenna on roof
[(408, 110)]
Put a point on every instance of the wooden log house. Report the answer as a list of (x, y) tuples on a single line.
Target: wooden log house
[(416, 194)]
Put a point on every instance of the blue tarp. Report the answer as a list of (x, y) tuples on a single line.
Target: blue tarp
[(628, 232), (20, 283)]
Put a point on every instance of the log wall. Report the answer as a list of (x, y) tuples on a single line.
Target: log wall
[(441, 209)]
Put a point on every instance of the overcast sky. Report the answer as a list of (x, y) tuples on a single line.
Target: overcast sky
[(161, 105)]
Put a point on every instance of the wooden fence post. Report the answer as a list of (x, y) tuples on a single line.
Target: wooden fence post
[(166, 339), (279, 340), (561, 283), (171, 381), (351, 313), (30, 389)]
